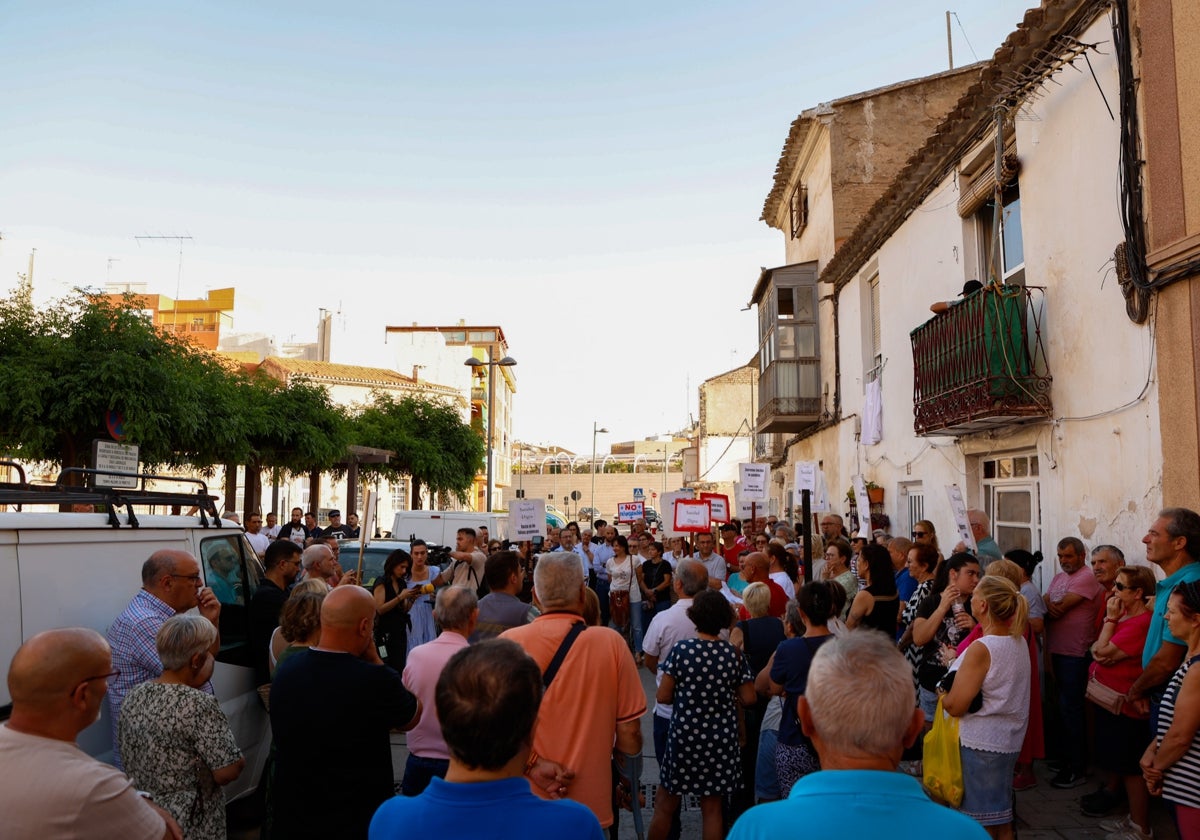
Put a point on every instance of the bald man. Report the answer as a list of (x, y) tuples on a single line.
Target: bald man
[(341, 679), (58, 680), (171, 584), (756, 568)]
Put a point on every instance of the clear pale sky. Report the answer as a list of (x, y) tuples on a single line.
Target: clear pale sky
[(589, 176)]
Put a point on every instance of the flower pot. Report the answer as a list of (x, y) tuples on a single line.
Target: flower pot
[(875, 495)]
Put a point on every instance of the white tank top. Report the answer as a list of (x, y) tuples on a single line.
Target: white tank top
[(1000, 725)]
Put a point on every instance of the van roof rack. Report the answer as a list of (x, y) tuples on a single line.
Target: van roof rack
[(24, 492)]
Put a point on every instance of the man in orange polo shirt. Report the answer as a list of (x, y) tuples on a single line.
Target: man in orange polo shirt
[(595, 702)]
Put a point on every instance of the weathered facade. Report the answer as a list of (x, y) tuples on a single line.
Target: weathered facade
[(1037, 396)]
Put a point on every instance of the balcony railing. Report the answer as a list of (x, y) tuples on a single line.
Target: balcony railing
[(981, 365), (789, 395)]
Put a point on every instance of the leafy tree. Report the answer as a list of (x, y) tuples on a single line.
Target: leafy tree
[(71, 363), (433, 446)]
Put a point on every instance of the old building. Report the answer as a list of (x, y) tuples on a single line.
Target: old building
[(1036, 396)]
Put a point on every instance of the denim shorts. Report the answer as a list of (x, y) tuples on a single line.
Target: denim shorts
[(987, 783), (928, 703)]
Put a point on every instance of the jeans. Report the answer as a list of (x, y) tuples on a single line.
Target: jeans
[(635, 626), (419, 771), (1071, 675), (602, 593)]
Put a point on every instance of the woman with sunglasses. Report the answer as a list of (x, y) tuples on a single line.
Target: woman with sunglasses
[(1120, 735), (1171, 764), (923, 533)]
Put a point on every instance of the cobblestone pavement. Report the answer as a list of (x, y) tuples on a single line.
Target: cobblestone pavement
[(1043, 813)]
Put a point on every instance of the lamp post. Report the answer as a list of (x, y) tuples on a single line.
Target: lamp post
[(592, 498), (491, 364)]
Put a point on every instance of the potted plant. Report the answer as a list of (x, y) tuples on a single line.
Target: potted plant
[(874, 494)]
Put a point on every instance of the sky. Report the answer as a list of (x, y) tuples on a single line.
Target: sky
[(587, 176)]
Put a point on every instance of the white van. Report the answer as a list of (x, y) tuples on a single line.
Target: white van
[(441, 526), (78, 570)]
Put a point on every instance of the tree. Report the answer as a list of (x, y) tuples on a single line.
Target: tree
[(432, 445), (71, 364)]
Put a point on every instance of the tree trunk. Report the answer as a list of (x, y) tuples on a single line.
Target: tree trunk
[(253, 501), (416, 494), (229, 503)]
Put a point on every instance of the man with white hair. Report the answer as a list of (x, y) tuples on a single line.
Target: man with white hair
[(457, 611), (986, 548), (597, 700), (317, 562), (858, 711)]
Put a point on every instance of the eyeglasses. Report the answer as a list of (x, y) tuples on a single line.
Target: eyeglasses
[(193, 578), (111, 675), (1120, 587), (920, 533)]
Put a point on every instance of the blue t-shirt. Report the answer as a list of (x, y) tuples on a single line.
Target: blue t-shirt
[(500, 810), (856, 803), (1159, 632), (905, 585)]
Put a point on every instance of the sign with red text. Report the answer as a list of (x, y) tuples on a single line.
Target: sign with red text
[(630, 511), (692, 515)]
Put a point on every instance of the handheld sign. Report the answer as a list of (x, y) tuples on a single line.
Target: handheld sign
[(718, 506), (863, 504), (692, 515), (668, 508), (630, 511), (367, 528), (754, 479), (527, 518), (958, 507), (806, 475)]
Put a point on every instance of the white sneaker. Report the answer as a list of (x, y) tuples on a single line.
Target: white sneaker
[(1130, 833), (1116, 824)]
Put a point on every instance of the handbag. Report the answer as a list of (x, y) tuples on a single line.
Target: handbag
[(1109, 699), (619, 601), (943, 774)]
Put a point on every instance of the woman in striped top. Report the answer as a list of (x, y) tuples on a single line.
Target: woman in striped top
[(1171, 764)]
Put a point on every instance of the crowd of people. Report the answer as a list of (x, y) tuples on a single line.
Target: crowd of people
[(780, 693)]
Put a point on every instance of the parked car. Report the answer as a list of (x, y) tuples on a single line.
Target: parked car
[(376, 554), (652, 518)]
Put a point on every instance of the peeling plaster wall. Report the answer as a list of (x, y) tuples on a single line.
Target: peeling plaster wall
[(1100, 478)]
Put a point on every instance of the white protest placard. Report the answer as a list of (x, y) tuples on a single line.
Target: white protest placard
[(668, 510), (863, 503), (692, 515), (958, 506), (368, 520), (630, 511), (718, 504), (806, 475), (753, 484), (527, 518), (820, 497)]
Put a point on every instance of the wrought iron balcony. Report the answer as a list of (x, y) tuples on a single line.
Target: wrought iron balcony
[(981, 365)]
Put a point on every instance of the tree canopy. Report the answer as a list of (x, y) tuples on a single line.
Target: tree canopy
[(69, 364), (432, 445)]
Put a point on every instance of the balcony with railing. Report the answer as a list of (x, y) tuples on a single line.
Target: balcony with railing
[(981, 365), (789, 398)]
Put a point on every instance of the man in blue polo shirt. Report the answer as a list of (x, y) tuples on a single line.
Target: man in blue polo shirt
[(858, 711), (1172, 544)]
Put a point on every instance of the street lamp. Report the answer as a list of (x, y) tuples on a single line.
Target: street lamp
[(592, 500), (490, 364)]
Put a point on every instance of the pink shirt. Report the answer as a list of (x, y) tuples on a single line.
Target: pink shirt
[(425, 664), (1072, 633)]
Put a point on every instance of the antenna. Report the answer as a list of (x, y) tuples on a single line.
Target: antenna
[(179, 271)]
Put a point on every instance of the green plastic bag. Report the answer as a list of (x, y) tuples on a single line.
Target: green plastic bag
[(943, 775)]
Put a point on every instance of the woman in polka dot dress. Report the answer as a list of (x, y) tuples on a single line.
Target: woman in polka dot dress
[(704, 678)]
